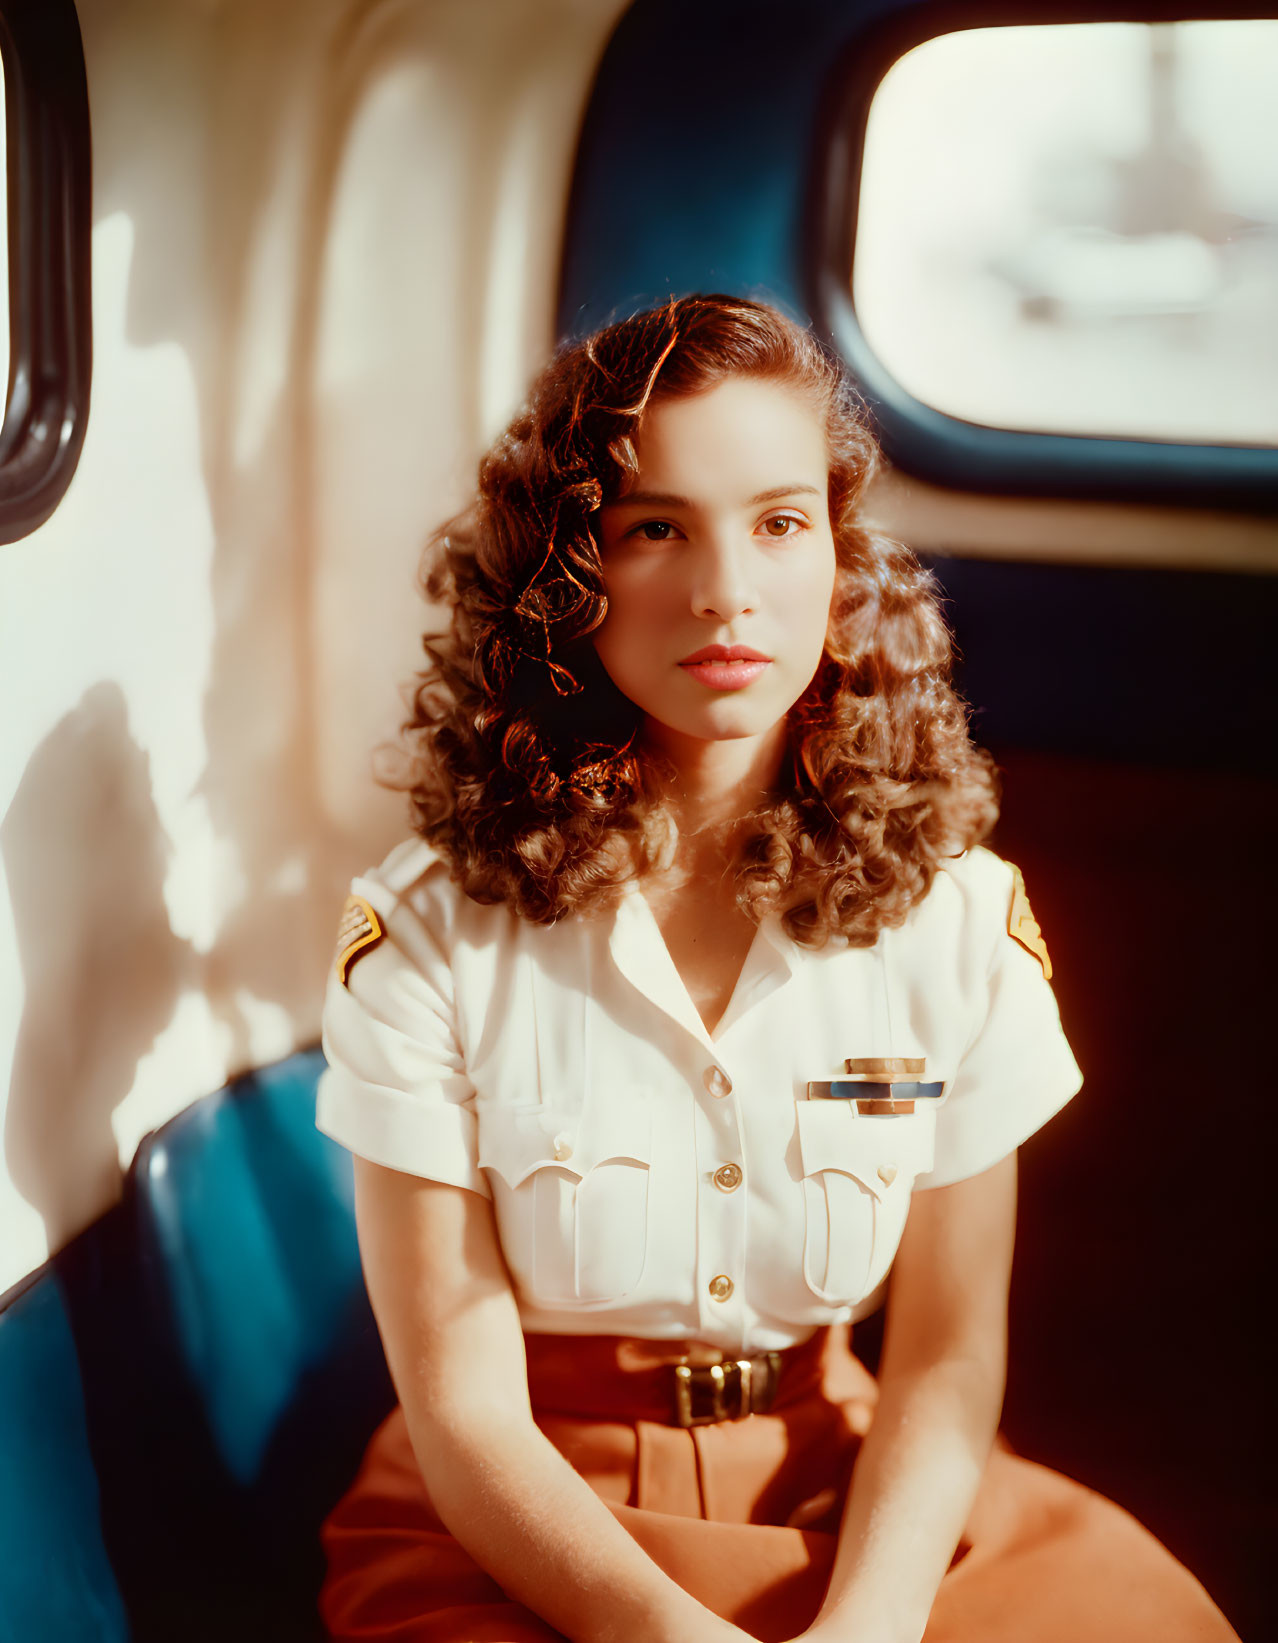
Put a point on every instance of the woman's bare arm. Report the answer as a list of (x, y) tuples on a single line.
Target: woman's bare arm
[(940, 1393), (450, 1325)]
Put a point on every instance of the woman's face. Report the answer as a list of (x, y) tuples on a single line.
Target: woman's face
[(719, 565)]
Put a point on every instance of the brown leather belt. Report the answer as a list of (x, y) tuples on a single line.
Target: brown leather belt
[(727, 1391)]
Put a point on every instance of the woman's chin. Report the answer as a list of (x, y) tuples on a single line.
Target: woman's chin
[(724, 721)]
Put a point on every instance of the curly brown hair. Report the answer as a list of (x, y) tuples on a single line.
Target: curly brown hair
[(524, 763)]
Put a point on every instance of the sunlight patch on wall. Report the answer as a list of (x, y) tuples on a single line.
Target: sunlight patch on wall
[(186, 1055)]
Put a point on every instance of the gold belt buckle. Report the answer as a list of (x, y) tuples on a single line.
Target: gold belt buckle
[(754, 1381)]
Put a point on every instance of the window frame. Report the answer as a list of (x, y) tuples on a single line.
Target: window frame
[(932, 444), (50, 259)]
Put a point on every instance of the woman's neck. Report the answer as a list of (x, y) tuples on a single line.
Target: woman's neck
[(709, 785)]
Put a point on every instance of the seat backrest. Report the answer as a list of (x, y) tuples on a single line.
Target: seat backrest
[(188, 1386), (246, 1234), (56, 1579)]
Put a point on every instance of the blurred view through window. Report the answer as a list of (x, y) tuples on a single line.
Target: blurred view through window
[(1074, 229)]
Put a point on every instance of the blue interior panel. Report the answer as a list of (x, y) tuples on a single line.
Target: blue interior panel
[(691, 174)]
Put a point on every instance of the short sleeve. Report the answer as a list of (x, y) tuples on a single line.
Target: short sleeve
[(1017, 1069), (396, 1090)]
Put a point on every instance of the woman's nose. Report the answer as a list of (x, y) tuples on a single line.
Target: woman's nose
[(723, 585)]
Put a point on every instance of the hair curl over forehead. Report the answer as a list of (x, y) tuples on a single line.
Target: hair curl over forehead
[(523, 759)]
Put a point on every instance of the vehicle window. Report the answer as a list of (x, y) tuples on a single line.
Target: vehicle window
[(1074, 229), (47, 328)]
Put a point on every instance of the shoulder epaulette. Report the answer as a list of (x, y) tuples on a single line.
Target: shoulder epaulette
[(1022, 926), (359, 931)]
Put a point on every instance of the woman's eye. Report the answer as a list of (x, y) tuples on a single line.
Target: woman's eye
[(653, 530), (781, 525)]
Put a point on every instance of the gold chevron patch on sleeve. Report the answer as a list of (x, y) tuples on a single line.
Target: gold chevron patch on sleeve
[(359, 932), (1022, 926)]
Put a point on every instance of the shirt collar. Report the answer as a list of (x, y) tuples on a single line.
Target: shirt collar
[(639, 951)]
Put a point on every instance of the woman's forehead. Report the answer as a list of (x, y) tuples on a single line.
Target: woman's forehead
[(746, 436)]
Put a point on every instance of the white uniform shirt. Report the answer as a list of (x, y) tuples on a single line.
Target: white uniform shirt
[(564, 1072)]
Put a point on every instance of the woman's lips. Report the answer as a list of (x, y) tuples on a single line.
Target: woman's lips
[(725, 667)]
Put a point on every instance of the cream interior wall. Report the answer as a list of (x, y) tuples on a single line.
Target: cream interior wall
[(325, 245)]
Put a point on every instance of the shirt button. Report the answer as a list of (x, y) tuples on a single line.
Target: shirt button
[(562, 1148), (720, 1287), (717, 1081), (728, 1177)]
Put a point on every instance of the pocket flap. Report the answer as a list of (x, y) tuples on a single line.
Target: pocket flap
[(875, 1150), (623, 1130), (517, 1141)]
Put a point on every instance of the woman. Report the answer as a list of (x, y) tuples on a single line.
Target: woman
[(692, 978)]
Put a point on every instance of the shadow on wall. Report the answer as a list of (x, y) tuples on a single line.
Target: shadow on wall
[(229, 216), (85, 857)]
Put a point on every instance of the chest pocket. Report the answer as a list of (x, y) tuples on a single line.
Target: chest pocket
[(571, 1197), (858, 1170)]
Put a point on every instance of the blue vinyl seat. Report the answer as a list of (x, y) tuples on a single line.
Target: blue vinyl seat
[(56, 1579), (195, 1379)]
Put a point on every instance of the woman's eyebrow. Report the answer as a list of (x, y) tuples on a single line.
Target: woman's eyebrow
[(779, 491), (668, 499), (650, 499)]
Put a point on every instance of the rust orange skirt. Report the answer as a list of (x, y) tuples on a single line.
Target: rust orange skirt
[(744, 1515)]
